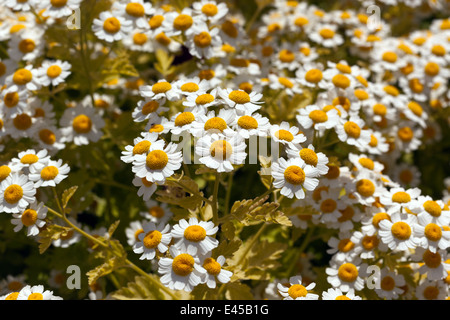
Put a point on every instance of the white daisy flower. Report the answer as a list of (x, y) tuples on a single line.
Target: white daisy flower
[(311, 75), (210, 10), (352, 132), (195, 236), (50, 175), (221, 152), (293, 176), (397, 232), (347, 275), (13, 101), (135, 11), (435, 264), (139, 40), (407, 136), (362, 162), (326, 35), (157, 212), (177, 23), (430, 235), (202, 42), (286, 134), (195, 85), (36, 293), (53, 72), (133, 230), (337, 294), (184, 121), (214, 271), (212, 123), (241, 100), (377, 145), (159, 90), (22, 125), (391, 284), (154, 237), (181, 272), (296, 291), (432, 290), (59, 8), (17, 192), (24, 78), (365, 188), (146, 188), (398, 199), (330, 206), (342, 248), (158, 164), (201, 100), (49, 137), (27, 45), (12, 283), (432, 211), (141, 145), (81, 125), (317, 118), (30, 159), (252, 124), (160, 126), (317, 160), (111, 27), (32, 218)]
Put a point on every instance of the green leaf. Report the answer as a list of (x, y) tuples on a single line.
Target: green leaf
[(183, 192), (238, 291), (67, 194), (52, 232), (163, 62)]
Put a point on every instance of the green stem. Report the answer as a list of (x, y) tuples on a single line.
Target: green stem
[(189, 189), (228, 194), (215, 202), (252, 242), (300, 250)]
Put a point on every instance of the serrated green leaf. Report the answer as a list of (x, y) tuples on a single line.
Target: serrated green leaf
[(67, 194), (52, 232)]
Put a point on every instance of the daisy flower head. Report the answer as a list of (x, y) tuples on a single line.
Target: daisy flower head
[(314, 117), (17, 192), (312, 158), (111, 27), (200, 101), (252, 124), (202, 42), (400, 200), (326, 35), (430, 235), (158, 164), (146, 188), (159, 90), (139, 40), (154, 237), (432, 290), (288, 84), (12, 284), (214, 271), (141, 145), (22, 125), (157, 212), (241, 100), (432, 211), (366, 188), (195, 236), (367, 245), (210, 11), (133, 230), (13, 101), (286, 134), (407, 136), (30, 160), (53, 72), (296, 290), (135, 11), (184, 121), (27, 45), (81, 125), (194, 86), (182, 271), (329, 205), (49, 137), (311, 75), (50, 175), (362, 162), (347, 275), (352, 132), (24, 78), (397, 232), (58, 8), (36, 293), (32, 218), (378, 144), (292, 176), (391, 284), (177, 23), (342, 248), (337, 294), (435, 264)]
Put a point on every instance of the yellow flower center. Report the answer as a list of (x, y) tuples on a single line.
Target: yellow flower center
[(183, 264), (333, 172), (13, 193), (135, 9), (27, 45), (156, 21), (301, 21), (309, 156), (111, 25), (285, 82), (432, 207), (152, 239), (326, 33), (328, 206), (348, 272), (432, 69), (162, 39), (367, 163), (195, 233), (401, 197), (431, 293), (345, 245), (157, 160), (156, 128), (373, 141), (297, 291), (204, 99), (378, 217), (184, 118), (433, 232), (183, 22), (58, 3), (346, 214), (142, 147), (361, 94), (100, 103), (49, 173), (239, 97), (207, 74), (22, 121), (342, 101), (387, 283), (342, 297), (389, 56), (229, 29), (247, 122), (150, 107), (341, 81), (284, 135), (313, 75), (415, 85), (54, 71), (140, 38), (190, 87), (12, 296), (370, 242), (318, 116), (203, 39), (22, 77), (294, 175), (212, 266), (215, 123), (221, 149), (391, 90), (82, 124), (286, 55), (432, 260), (401, 230), (438, 50), (156, 211), (161, 87), (137, 233), (352, 129), (11, 99), (47, 136), (29, 217), (344, 68), (4, 172), (405, 134), (29, 159), (210, 9), (365, 187), (415, 108), (36, 296), (246, 86)]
